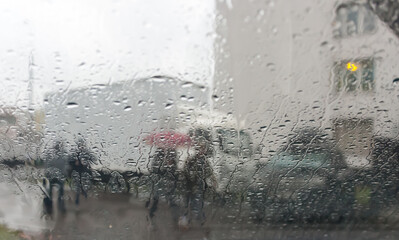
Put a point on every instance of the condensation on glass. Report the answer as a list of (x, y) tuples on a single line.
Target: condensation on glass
[(217, 119)]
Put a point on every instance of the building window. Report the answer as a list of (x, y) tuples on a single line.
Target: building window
[(352, 20), (234, 143), (354, 138), (354, 75)]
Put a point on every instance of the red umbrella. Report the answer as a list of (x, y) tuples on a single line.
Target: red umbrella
[(168, 139)]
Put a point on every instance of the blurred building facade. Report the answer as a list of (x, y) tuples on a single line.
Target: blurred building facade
[(281, 66)]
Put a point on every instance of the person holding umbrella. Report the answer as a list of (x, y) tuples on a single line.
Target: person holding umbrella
[(164, 175), (198, 177)]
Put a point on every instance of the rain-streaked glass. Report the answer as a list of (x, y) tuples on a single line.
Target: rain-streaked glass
[(216, 119)]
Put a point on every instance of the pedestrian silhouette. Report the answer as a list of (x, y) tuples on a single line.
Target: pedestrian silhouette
[(199, 178)]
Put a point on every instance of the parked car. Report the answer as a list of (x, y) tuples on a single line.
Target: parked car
[(376, 188), (304, 180), (385, 160)]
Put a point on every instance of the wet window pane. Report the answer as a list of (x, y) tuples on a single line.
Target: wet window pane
[(353, 19), (215, 119)]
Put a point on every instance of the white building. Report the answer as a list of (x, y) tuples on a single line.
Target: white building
[(286, 65)]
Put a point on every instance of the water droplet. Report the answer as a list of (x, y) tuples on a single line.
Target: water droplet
[(274, 30), (183, 97), (396, 81), (271, 66), (187, 84), (271, 4), (59, 82), (168, 105), (262, 128), (260, 14), (215, 98), (72, 105), (127, 108)]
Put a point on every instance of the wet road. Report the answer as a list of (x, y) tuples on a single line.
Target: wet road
[(120, 217)]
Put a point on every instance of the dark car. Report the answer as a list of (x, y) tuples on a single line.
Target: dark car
[(304, 180), (376, 189)]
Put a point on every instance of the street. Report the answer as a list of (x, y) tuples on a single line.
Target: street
[(114, 216)]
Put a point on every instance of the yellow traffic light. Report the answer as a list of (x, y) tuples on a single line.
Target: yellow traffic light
[(351, 67)]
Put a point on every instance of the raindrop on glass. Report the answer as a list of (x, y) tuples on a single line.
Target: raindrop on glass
[(72, 105)]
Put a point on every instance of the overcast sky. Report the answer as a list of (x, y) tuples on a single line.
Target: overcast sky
[(75, 43)]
